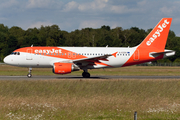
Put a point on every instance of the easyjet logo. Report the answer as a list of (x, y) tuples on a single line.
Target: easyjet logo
[(157, 33), (48, 51)]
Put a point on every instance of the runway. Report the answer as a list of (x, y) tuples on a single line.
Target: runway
[(68, 77)]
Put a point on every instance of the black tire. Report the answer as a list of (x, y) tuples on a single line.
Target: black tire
[(29, 75), (86, 75)]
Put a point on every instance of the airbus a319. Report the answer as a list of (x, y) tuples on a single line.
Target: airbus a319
[(64, 60)]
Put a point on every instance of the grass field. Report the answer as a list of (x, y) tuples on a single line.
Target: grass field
[(91, 99)]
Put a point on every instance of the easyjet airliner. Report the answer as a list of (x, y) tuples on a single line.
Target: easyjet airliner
[(64, 60)]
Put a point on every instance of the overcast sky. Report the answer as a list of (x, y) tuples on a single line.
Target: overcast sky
[(70, 15)]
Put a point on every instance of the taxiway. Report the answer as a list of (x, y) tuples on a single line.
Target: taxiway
[(68, 77)]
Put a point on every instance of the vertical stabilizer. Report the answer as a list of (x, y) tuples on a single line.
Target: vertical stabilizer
[(158, 36), (155, 42)]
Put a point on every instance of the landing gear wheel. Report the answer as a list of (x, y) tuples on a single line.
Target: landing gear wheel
[(29, 75), (86, 75)]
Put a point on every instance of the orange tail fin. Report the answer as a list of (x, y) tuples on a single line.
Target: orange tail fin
[(154, 43), (158, 36)]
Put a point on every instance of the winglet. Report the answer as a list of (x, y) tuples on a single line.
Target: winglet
[(114, 54)]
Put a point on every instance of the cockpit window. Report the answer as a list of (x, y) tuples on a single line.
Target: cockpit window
[(15, 53)]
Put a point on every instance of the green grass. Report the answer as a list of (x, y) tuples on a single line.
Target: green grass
[(132, 70), (90, 99)]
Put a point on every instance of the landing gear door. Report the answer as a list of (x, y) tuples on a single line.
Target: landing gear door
[(29, 54)]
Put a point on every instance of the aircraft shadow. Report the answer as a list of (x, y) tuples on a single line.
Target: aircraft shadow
[(73, 77)]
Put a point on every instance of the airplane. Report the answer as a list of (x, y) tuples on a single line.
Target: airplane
[(64, 60)]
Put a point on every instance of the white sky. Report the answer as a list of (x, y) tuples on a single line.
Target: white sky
[(70, 15)]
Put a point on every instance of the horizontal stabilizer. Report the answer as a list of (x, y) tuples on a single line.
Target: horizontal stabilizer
[(166, 53)]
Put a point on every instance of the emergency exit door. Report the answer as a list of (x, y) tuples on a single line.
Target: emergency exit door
[(29, 54)]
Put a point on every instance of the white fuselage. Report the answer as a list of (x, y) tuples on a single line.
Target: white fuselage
[(25, 59)]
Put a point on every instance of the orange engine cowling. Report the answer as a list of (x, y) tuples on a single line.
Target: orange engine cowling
[(62, 68)]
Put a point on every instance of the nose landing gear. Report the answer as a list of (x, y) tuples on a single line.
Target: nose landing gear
[(29, 75)]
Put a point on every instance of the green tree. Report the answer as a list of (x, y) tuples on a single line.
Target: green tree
[(19, 34), (3, 28), (50, 42), (11, 46)]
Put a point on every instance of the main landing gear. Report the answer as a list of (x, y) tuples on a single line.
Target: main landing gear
[(85, 74), (29, 75)]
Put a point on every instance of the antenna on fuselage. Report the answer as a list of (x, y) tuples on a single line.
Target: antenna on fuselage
[(32, 45)]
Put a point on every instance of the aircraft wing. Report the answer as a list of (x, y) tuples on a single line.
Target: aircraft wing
[(92, 60), (86, 61), (103, 57)]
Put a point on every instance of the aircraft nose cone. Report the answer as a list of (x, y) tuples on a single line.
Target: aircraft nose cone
[(6, 60)]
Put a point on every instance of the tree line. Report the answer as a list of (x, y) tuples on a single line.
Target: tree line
[(15, 37)]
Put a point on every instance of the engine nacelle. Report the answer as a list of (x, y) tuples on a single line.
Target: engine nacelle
[(63, 68)]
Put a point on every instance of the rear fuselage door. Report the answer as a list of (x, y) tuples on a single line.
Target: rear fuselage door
[(136, 55)]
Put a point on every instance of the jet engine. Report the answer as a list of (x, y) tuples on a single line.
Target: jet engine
[(64, 68)]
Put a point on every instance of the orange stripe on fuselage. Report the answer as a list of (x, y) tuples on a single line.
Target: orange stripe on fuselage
[(55, 51), (52, 52)]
